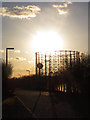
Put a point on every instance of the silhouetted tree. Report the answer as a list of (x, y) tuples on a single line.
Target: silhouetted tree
[(6, 73), (77, 76)]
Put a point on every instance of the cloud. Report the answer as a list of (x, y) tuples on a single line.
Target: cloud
[(17, 51), (18, 58), (11, 58), (65, 5), (27, 52), (62, 12), (30, 61), (62, 8), (21, 58), (22, 12), (1, 51), (69, 2)]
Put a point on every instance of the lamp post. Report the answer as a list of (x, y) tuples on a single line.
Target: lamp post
[(7, 55), (28, 72), (40, 66)]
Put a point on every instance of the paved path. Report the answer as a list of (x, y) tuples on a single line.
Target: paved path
[(12, 108), (46, 105)]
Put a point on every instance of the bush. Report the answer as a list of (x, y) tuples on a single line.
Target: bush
[(6, 73), (78, 75)]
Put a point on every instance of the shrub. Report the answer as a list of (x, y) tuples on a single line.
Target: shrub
[(6, 70), (6, 73), (78, 75)]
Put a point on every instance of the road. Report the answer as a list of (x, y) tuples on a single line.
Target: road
[(46, 105)]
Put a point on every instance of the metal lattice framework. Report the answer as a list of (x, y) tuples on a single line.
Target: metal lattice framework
[(54, 62)]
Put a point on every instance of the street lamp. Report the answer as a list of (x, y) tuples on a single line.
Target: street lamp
[(28, 72), (7, 55)]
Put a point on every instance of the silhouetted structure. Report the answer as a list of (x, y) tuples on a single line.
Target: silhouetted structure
[(55, 62)]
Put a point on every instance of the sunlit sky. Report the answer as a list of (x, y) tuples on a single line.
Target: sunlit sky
[(30, 27)]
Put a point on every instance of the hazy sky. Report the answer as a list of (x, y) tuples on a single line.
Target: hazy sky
[(22, 21)]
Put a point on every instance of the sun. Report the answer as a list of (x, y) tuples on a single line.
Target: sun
[(47, 41)]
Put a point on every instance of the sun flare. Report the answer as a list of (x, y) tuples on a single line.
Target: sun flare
[(47, 41)]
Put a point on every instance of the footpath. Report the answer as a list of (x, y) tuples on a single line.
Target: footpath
[(30, 104), (12, 108)]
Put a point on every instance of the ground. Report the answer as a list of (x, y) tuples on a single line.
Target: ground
[(28, 104)]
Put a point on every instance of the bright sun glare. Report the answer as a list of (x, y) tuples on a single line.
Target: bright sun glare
[(47, 41)]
